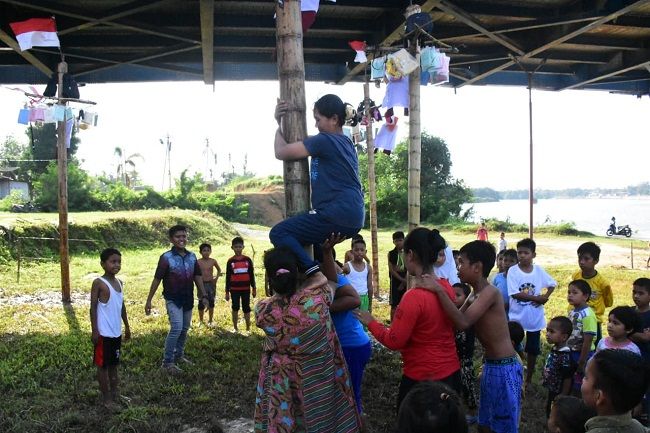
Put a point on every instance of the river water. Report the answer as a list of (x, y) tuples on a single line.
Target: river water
[(588, 214)]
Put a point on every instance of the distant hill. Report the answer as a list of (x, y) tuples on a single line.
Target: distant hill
[(489, 194)]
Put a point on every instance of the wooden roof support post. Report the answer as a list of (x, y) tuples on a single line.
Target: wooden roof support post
[(415, 141), (62, 164), (291, 72), (372, 189)]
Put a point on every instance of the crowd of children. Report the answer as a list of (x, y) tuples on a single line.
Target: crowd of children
[(594, 383)]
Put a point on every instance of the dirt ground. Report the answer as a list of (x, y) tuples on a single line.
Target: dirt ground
[(266, 207)]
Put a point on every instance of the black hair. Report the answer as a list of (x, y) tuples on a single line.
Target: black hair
[(589, 248), (205, 245), (571, 413), (237, 240), (563, 323), (583, 286), (455, 253), (501, 253), (622, 376), (431, 407), (516, 332), (282, 270), (466, 289), (104, 255), (358, 241), (175, 229), (330, 106), (398, 235), (627, 316), (642, 283), (527, 243), (480, 251), (512, 253), (425, 244)]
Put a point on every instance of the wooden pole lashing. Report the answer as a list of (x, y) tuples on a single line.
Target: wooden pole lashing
[(291, 72), (62, 164), (415, 141), (372, 189)]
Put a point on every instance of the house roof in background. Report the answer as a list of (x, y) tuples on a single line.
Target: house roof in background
[(571, 44)]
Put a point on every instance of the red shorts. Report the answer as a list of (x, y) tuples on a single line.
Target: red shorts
[(107, 351)]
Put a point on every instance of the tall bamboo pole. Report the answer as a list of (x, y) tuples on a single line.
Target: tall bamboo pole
[(291, 72), (531, 194), (372, 189), (415, 142), (62, 164)]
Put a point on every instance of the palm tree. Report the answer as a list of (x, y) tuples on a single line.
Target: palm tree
[(125, 175)]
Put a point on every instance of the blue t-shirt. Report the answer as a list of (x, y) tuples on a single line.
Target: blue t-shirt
[(501, 282), (335, 186), (347, 327)]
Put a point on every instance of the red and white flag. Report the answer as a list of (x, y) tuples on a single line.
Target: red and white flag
[(36, 32), (360, 48)]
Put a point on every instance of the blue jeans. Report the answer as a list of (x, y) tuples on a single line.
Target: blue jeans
[(356, 359), (306, 229), (179, 323)]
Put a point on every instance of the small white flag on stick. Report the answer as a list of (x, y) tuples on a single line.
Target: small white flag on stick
[(36, 32)]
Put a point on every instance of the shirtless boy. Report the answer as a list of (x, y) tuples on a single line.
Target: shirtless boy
[(502, 376), (207, 264)]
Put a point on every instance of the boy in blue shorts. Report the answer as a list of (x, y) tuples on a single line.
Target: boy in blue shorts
[(501, 381), (525, 284)]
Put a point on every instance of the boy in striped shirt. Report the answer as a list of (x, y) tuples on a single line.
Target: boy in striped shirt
[(240, 279)]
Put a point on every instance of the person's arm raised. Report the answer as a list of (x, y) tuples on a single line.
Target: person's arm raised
[(460, 320), (286, 151)]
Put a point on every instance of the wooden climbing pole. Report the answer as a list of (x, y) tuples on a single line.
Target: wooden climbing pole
[(291, 73), (372, 189), (415, 141)]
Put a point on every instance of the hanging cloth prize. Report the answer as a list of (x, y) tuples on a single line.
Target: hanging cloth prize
[(404, 62), (377, 68)]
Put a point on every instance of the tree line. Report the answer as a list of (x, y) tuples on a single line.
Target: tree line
[(441, 199)]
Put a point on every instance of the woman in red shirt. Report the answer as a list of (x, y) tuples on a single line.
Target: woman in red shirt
[(420, 329)]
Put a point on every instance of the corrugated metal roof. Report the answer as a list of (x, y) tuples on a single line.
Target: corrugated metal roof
[(591, 44)]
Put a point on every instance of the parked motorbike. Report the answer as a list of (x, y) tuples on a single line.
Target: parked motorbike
[(27, 207), (621, 230)]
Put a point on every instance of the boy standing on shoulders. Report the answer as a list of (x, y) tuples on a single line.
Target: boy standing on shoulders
[(525, 284), (240, 279), (107, 311), (601, 292), (397, 271), (500, 397), (615, 381), (207, 264), (179, 271)]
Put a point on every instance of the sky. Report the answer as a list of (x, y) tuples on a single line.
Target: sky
[(582, 139)]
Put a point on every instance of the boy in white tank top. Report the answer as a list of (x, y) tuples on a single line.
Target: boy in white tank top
[(359, 273), (107, 311)]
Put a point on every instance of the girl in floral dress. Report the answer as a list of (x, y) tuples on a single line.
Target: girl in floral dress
[(303, 384)]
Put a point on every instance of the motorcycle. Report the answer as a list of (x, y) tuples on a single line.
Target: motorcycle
[(621, 230)]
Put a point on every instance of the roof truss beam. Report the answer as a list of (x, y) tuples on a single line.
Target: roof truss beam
[(51, 8), (470, 21), (207, 40), (621, 63), (562, 37), (130, 9)]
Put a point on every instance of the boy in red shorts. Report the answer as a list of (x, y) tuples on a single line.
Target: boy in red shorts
[(107, 311)]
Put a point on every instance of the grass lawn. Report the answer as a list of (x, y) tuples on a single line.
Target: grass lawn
[(47, 379)]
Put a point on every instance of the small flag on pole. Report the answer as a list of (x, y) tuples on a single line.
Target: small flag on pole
[(360, 48), (36, 32)]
